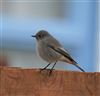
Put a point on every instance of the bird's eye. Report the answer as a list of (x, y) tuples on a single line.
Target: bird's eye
[(39, 36)]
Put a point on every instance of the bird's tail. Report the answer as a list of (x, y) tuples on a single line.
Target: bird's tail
[(78, 67)]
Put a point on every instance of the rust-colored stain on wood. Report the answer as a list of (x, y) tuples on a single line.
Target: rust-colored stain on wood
[(30, 82)]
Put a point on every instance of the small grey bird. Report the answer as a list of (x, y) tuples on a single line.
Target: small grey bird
[(51, 50)]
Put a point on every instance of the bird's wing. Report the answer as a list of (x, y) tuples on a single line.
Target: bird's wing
[(63, 52)]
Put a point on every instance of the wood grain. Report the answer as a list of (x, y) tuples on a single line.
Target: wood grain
[(30, 82)]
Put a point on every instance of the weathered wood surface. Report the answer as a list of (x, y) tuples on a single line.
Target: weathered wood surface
[(30, 82)]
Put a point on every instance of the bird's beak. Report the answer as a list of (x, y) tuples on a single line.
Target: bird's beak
[(33, 35)]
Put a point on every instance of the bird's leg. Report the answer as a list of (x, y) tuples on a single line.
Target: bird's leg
[(45, 67), (52, 68)]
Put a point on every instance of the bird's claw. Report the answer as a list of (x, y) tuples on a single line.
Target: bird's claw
[(50, 71)]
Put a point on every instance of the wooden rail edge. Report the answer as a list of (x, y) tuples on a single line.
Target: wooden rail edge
[(30, 82)]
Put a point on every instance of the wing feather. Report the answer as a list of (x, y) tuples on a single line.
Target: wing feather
[(64, 53)]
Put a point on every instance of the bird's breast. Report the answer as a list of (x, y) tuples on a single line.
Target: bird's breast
[(47, 53)]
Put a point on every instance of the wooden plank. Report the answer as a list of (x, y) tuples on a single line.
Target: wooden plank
[(30, 82)]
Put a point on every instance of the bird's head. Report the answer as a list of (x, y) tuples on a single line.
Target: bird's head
[(41, 35)]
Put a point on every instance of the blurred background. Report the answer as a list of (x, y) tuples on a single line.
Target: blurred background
[(73, 23)]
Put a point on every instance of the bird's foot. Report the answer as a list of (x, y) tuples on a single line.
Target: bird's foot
[(49, 71), (42, 69)]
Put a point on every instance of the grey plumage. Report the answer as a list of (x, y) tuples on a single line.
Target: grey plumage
[(51, 50)]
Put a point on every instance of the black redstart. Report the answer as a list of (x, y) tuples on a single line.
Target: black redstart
[(52, 51)]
